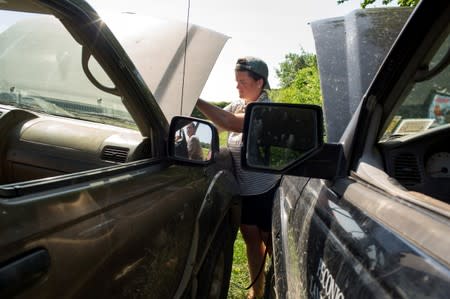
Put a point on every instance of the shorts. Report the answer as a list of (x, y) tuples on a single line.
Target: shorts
[(257, 209)]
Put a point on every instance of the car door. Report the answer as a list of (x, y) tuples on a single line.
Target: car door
[(91, 204), (115, 236)]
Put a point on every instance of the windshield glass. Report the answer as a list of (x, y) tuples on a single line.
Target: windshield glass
[(427, 104), (40, 70)]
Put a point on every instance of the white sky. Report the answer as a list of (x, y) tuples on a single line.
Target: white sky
[(262, 28)]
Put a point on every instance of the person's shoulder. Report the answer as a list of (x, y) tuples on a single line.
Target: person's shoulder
[(237, 102), (264, 98), (234, 105)]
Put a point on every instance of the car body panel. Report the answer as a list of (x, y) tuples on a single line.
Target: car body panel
[(94, 234), (332, 247), (94, 226), (76, 222)]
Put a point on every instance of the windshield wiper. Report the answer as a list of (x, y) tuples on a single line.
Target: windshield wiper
[(31, 102)]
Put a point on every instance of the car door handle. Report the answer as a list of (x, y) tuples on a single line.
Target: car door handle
[(23, 271)]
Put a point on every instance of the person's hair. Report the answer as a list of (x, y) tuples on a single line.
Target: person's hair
[(252, 75)]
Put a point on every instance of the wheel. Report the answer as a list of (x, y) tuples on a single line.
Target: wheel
[(269, 286), (215, 273)]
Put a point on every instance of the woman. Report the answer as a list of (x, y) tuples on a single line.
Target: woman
[(256, 189)]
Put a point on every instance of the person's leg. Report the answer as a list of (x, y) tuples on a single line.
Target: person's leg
[(255, 256), (267, 239)]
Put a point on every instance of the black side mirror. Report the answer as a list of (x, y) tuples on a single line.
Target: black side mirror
[(192, 140), (278, 136)]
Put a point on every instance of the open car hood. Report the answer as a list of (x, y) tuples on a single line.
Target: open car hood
[(350, 50), (175, 71)]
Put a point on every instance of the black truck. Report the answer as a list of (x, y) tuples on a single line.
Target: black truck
[(364, 213)]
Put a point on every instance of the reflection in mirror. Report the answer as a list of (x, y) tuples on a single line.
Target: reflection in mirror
[(280, 135), (192, 140)]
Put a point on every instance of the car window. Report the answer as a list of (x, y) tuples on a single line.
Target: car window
[(415, 144), (41, 70), (427, 104), (55, 121)]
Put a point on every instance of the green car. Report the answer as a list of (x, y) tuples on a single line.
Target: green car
[(98, 196)]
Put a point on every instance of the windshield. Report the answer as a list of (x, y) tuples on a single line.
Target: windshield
[(427, 104), (40, 70)]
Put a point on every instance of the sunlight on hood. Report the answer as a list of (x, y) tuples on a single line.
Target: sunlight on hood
[(157, 49)]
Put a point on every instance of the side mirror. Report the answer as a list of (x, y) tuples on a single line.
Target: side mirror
[(278, 136), (192, 140)]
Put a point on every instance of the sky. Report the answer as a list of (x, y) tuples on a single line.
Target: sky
[(265, 29)]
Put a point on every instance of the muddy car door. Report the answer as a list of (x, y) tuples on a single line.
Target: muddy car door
[(91, 202)]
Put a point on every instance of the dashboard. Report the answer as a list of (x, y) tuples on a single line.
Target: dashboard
[(35, 146), (421, 162)]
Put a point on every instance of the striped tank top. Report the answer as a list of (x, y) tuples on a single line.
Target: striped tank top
[(250, 183)]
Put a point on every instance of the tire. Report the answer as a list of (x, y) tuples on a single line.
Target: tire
[(215, 273), (269, 287)]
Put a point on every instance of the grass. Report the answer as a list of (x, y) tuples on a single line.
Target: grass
[(240, 278), (239, 272)]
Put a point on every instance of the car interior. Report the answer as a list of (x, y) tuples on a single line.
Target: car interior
[(415, 143), (36, 146), (53, 119)]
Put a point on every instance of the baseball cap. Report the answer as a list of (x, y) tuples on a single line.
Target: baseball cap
[(254, 65)]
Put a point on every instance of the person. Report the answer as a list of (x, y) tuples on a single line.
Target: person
[(181, 144), (256, 189), (193, 143)]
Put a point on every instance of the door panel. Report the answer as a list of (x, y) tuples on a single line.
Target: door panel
[(22, 271), (111, 237), (343, 251)]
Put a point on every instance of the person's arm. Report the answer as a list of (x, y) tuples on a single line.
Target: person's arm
[(222, 118)]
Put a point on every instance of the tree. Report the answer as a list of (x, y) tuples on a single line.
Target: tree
[(299, 80), (304, 89), (365, 3), (292, 64)]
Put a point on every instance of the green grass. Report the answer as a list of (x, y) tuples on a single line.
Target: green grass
[(223, 136), (239, 272), (240, 278)]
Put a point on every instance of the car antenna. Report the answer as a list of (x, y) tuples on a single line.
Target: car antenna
[(185, 53)]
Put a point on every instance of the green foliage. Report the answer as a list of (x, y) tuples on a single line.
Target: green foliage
[(292, 64), (304, 89), (365, 3), (223, 137), (299, 80)]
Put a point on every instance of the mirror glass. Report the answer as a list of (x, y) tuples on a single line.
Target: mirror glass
[(279, 135), (192, 140)]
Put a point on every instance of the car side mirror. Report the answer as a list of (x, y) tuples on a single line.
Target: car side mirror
[(192, 140), (278, 136)]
